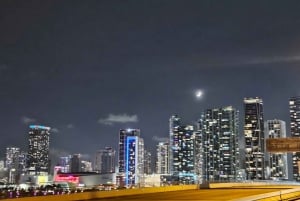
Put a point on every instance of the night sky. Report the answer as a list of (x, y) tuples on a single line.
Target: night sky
[(90, 68)]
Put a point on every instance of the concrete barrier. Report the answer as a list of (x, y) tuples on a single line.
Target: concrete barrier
[(289, 194), (105, 194)]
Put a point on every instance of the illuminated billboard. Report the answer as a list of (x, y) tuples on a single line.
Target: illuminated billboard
[(67, 178), (281, 145)]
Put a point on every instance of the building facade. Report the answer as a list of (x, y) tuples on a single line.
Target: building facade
[(182, 150), (294, 104), (277, 162), (65, 164), (76, 163), (254, 139), (38, 162), (219, 129), (12, 157), (131, 158), (147, 162), (162, 161), (105, 160), (174, 124)]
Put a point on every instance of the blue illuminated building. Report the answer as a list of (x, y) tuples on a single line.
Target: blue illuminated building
[(131, 158)]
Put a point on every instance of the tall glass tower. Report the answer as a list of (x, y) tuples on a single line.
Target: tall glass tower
[(38, 151), (105, 160), (254, 139), (277, 161), (219, 129), (162, 161), (182, 151), (131, 158), (174, 124), (294, 104)]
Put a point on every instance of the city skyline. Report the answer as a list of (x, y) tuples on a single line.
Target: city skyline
[(89, 69)]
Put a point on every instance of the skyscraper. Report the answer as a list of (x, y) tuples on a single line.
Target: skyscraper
[(294, 104), (12, 157), (76, 163), (277, 161), (105, 160), (174, 123), (12, 163), (162, 164), (254, 139), (182, 150), (131, 158), (219, 129), (147, 162), (38, 151), (65, 164)]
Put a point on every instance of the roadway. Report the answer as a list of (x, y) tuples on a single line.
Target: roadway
[(195, 195)]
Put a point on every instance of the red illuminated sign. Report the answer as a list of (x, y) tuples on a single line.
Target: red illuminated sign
[(67, 178)]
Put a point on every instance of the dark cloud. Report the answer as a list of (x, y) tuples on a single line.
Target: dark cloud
[(118, 118)]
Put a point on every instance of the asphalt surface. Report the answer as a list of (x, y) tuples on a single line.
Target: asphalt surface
[(195, 195)]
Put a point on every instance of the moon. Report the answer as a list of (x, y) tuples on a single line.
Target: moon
[(199, 93)]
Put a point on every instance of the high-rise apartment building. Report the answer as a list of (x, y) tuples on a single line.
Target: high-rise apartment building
[(76, 163), (131, 158), (105, 160), (12, 163), (294, 105), (162, 161), (174, 124), (12, 157), (219, 129), (38, 151), (65, 164), (277, 162), (254, 139), (147, 162), (86, 166), (182, 148), (22, 159)]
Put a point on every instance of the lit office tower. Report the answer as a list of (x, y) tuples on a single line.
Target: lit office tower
[(12, 163), (294, 104), (75, 163), (105, 160), (182, 150), (38, 152), (254, 139), (174, 124), (65, 164), (277, 161), (162, 161), (147, 162), (22, 162), (12, 157), (220, 152), (131, 158), (86, 166)]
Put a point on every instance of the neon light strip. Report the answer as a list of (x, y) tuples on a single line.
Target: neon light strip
[(39, 127), (129, 139)]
